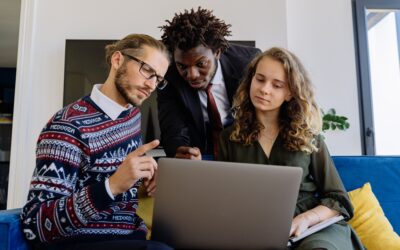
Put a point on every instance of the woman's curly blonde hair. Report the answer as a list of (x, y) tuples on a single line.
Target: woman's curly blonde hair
[(299, 119)]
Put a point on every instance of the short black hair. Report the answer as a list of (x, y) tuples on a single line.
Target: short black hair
[(192, 28)]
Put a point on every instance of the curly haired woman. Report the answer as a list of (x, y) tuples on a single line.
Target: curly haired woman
[(277, 121)]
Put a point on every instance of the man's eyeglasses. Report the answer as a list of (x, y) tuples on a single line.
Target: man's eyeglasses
[(148, 72)]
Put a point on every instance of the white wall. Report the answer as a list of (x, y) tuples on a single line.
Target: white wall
[(46, 24), (321, 35)]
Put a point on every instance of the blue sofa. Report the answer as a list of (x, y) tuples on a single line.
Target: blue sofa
[(382, 172), (11, 236)]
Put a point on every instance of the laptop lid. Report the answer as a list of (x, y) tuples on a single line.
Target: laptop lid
[(224, 205)]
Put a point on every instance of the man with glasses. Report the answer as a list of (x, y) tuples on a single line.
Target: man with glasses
[(204, 76), (90, 161)]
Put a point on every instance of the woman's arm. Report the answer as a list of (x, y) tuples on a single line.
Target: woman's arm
[(331, 193), (330, 188), (311, 217)]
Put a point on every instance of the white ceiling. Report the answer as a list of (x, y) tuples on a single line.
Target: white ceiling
[(9, 27)]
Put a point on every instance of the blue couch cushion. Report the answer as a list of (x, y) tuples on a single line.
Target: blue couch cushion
[(382, 172), (10, 231)]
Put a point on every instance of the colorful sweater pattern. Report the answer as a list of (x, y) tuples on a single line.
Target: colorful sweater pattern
[(76, 151)]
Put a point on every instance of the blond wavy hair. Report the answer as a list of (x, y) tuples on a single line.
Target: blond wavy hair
[(135, 43), (299, 119)]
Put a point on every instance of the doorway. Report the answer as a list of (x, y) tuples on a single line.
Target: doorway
[(378, 26)]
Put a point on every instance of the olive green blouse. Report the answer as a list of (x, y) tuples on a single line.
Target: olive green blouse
[(320, 185)]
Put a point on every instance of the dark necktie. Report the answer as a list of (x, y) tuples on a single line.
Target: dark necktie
[(215, 119)]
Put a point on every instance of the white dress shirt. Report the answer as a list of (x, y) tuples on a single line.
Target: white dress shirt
[(220, 95)]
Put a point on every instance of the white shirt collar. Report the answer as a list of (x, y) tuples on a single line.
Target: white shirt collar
[(110, 107), (218, 77)]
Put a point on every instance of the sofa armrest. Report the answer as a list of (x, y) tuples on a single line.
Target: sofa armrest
[(11, 234)]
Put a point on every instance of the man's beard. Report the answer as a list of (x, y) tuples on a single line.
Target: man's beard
[(119, 78)]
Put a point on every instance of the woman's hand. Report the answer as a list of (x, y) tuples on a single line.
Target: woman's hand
[(311, 217), (302, 222)]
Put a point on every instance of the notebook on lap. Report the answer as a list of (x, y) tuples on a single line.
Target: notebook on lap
[(222, 205)]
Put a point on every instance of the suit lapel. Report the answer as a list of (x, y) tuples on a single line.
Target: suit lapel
[(192, 102), (231, 77)]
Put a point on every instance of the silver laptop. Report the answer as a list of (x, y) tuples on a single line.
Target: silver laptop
[(224, 205)]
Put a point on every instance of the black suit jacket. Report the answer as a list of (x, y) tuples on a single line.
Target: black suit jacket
[(179, 109)]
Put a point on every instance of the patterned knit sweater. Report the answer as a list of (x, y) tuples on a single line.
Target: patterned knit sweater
[(76, 151)]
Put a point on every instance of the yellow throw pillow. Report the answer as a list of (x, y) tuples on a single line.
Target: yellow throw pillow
[(145, 209), (369, 221)]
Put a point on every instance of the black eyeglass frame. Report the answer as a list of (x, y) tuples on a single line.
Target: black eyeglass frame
[(161, 82)]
